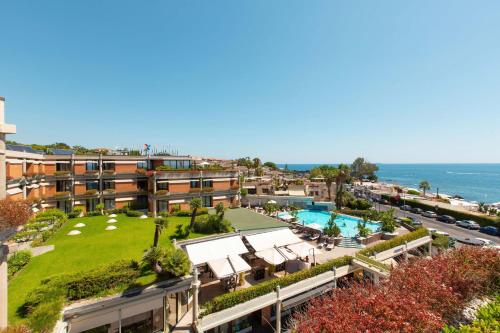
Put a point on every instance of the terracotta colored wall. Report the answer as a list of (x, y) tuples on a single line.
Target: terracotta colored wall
[(18, 196), (49, 190), (218, 186), (185, 206), (80, 169), (225, 202), (80, 189), (49, 169), (34, 194), (14, 170), (179, 188), (125, 187), (126, 168), (121, 204)]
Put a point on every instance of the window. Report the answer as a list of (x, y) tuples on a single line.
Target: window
[(207, 201), (92, 166), (108, 166), (162, 206), (142, 165), (109, 204), (108, 185), (92, 185), (178, 164), (195, 184), (90, 205), (162, 186), (63, 166), (63, 186), (208, 183), (64, 205), (142, 185)]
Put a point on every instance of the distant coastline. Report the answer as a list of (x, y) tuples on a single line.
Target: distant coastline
[(474, 182)]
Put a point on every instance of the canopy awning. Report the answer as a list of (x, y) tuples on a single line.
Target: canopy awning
[(231, 265), (13, 191), (220, 248), (271, 239), (302, 249)]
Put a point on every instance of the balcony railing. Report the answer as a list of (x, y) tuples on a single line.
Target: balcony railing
[(64, 173)]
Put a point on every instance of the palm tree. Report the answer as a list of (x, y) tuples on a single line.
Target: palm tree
[(194, 204), (424, 186), (341, 176), (160, 224)]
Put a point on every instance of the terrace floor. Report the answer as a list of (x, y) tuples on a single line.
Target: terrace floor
[(245, 219)]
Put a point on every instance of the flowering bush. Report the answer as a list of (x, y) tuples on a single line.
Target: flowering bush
[(13, 213), (419, 296)]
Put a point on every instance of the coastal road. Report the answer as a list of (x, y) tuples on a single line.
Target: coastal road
[(452, 229)]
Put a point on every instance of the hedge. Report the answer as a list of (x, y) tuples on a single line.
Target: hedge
[(372, 262), (487, 320), (17, 261), (44, 304), (459, 215), (396, 241), (229, 300)]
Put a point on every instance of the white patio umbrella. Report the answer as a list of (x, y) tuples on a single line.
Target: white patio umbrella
[(271, 256), (301, 249), (271, 202)]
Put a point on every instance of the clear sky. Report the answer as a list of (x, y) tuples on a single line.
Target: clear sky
[(289, 81)]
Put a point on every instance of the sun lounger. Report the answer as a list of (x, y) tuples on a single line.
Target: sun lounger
[(321, 245), (330, 246), (313, 238)]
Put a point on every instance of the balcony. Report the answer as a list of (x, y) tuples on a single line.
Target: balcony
[(109, 172), (208, 189), (91, 173), (61, 195), (62, 174), (195, 190), (90, 192)]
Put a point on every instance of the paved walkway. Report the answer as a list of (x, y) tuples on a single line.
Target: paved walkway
[(184, 325)]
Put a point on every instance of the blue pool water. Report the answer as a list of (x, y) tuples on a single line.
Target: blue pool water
[(347, 224)]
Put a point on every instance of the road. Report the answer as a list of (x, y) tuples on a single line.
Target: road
[(452, 229)]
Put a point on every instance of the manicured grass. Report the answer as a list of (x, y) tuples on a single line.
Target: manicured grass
[(244, 219), (92, 248)]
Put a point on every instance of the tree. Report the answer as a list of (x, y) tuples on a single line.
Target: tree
[(341, 177), (329, 173), (361, 168), (387, 219), (257, 163), (332, 229), (259, 172), (153, 257), (194, 204), (424, 186), (270, 208), (176, 262), (363, 230), (271, 165), (219, 210), (160, 224)]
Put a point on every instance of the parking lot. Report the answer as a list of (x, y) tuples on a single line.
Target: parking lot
[(452, 229)]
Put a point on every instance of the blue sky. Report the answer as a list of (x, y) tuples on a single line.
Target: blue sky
[(289, 81)]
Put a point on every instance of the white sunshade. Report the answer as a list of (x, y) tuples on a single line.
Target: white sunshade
[(271, 256), (302, 249), (231, 265), (267, 240), (203, 252)]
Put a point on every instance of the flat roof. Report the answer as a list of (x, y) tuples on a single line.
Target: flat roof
[(244, 219)]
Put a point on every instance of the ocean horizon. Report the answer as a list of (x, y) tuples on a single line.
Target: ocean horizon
[(473, 181)]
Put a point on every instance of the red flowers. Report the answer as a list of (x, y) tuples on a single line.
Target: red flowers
[(420, 296), (13, 213)]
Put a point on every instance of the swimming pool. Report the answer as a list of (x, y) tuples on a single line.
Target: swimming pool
[(348, 225)]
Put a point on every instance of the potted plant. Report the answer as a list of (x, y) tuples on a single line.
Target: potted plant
[(388, 224), (332, 229)]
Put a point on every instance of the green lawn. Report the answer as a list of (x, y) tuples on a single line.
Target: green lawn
[(245, 219), (92, 248)]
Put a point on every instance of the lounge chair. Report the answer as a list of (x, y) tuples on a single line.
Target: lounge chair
[(313, 238), (330, 246), (321, 245)]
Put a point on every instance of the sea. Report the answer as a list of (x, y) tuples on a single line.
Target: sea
[(473, 182)]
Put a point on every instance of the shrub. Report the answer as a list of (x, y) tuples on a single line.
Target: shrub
[(25, 236), (181, 231), (133, 213), (243, 295), (185, 213), (91, 192), (13, 213), (44, 304), (413, 192), (75, 213), (418, 296), (94, 213), (359, 204), (487, 320), (396, 241), (212, 224), (441, 241), (16, 329), (244, 192), (176, 262), (17, 261)]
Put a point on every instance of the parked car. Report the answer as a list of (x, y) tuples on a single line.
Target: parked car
[(490, 230), (384, 202), (430, 214), (417, 210), (406, 207), (438, 232), (446, 219), (487, 242), (468, 224)]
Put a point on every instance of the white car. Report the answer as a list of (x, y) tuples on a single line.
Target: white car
[(487, 242), (438, 232), (430, 214)]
